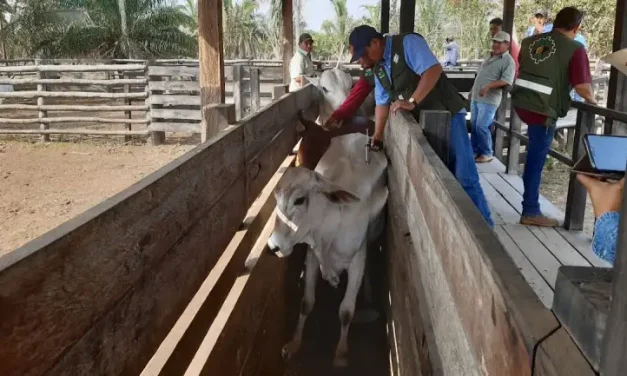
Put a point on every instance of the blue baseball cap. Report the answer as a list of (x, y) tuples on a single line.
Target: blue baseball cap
[(360, 38)]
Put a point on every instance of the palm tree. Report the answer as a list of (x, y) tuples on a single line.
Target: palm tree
[(190, 8), (105, 28), (244, 34), (338, 29)]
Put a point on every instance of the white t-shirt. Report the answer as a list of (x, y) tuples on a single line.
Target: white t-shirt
[(300, 65)]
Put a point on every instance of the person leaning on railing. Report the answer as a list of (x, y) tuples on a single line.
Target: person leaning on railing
[(606, 201)]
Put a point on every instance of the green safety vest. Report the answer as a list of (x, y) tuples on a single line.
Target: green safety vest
[(542, 85), (404, 81)]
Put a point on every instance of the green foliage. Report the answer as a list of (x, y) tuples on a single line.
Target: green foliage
[(93, 28), (597, 26)]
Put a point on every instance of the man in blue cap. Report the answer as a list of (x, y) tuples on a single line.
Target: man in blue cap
[(409, 77)]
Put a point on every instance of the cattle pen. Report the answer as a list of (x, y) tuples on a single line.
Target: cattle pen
[(172, 276)]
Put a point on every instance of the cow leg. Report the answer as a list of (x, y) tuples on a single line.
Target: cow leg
[(347, 307), (312, 268)]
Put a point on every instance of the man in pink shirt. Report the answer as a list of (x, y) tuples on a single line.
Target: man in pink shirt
[(496, 25)]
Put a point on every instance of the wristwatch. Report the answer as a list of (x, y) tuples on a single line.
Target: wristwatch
[(412, 100)]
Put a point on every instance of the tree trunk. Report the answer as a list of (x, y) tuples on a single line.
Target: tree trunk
[(123, 27)]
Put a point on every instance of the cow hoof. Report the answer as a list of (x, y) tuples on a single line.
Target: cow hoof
[(340, 361), (289, 350)]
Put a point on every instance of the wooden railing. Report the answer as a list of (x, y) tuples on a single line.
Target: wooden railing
[(586, 123), (138, 283)]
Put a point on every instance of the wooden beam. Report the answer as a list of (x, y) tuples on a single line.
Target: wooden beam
[(210, 51), (613, 361), (288, 38), (617, 97), (407, 16), (508, 15), (385, 16)]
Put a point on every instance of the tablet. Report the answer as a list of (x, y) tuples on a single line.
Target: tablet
[(608, 154)]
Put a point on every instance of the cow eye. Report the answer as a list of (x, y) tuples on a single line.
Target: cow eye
[(325, 90), (299, 201)]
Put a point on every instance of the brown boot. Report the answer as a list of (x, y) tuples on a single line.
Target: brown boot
[(539, 220)]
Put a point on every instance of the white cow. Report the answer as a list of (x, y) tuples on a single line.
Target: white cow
[(337, 210), (334, 86)]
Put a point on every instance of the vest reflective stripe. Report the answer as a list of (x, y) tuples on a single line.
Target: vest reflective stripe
[(543, 89), (286, 220)]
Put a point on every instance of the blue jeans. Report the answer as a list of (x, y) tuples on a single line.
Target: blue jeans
[(481, 118), (540, 138), (462, 165)]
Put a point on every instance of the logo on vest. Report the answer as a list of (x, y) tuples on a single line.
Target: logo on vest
[(542, 49), (395, 58)]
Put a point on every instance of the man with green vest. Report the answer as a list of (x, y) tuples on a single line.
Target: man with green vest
[(409, 77), (550, 65)]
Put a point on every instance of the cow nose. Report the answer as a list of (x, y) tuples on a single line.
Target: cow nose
[(273, 250)]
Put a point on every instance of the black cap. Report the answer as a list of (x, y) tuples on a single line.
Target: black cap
[(360, 38), (304, 38)]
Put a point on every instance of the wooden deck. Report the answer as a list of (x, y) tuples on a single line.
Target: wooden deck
[(538, 252)]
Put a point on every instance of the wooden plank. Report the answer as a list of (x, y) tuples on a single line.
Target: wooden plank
[(175, 100), (437, 128), (535, 251), (535, 280), (171, 113), (407, 15), (492, 167), (238, 91), (187, 86), (173, 71), (156, 302), (545, 205), (72, 68), (72, 81), (71, 94), (498, 204), (583, 244), (76, 273), (558, 246), (175, 127), (72, 107), (268, 291), (176, 352), (72, 119), (513, 149), (287, 37), (507, 191), (93, 132), (216, 117), (558, 355), (510, 319)]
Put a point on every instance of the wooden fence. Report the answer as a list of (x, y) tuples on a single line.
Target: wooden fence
[(136, 281)]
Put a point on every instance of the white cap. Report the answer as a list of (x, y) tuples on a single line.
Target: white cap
[(501, 36)]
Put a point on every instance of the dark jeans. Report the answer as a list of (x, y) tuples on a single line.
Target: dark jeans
[(540, 139), (462, 165)]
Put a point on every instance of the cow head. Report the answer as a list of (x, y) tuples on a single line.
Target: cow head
[(305, 202), (334, 86)]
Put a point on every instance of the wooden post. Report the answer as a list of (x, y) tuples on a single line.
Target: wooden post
[(407, 16), (499, 134), (385, 16), (217, 117), (238, 90), (278, 91), (128, 102), (508, 16), (255, 89), (41, 114), (613, 359), (577, 194), (210, 52), (436, 125), (513, 150), (287, 33), (617, 93)]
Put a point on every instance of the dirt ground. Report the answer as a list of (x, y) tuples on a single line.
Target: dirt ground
[(45, 184)]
